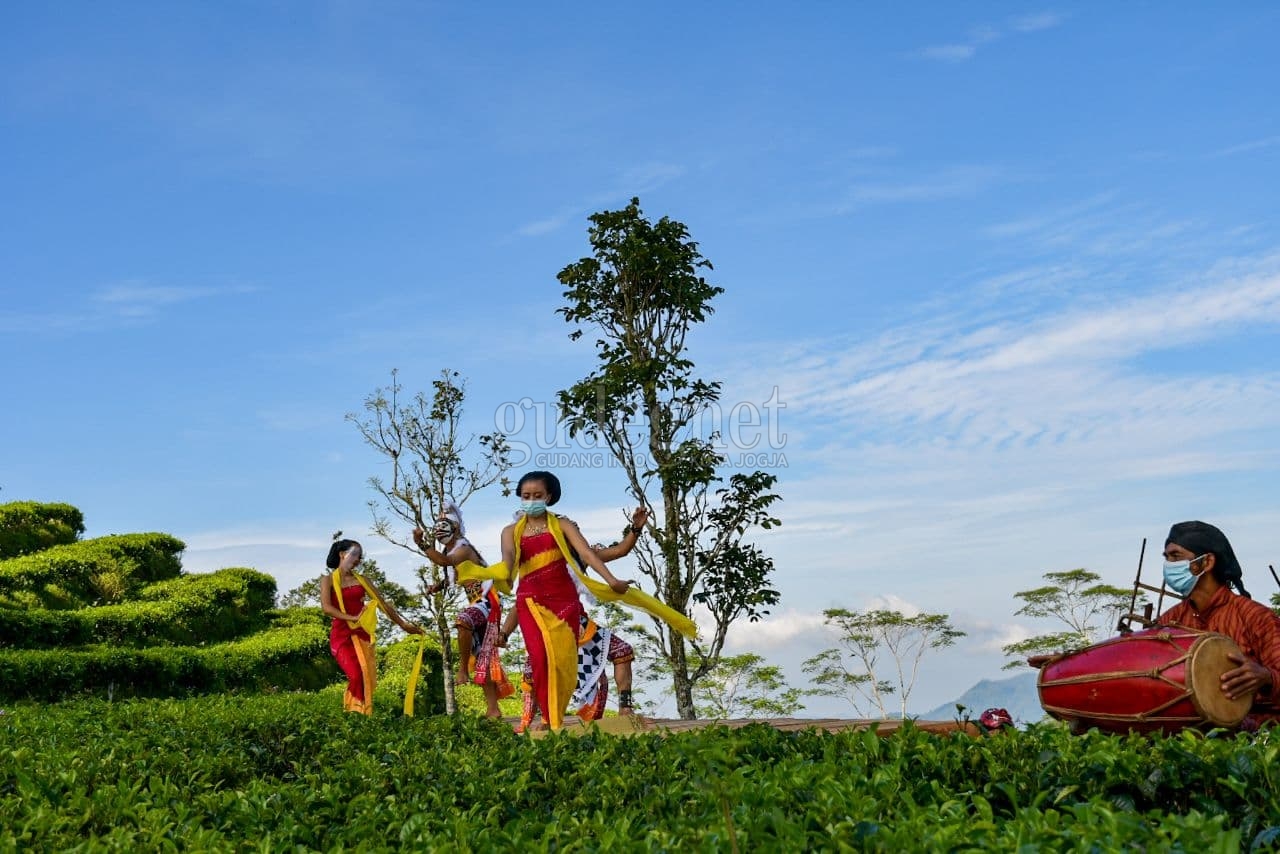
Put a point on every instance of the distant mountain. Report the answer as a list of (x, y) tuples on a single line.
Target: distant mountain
[(1017, 695)]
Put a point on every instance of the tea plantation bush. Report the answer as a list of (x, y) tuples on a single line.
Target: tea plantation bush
[(290, 656), (286, 771), (115, 617), (89, 572), (30, 526), (190, 609)]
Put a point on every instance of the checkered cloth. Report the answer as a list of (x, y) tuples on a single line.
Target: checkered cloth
[(592, 660)]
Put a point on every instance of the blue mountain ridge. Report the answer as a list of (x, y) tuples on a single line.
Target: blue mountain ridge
[(1016, 694)]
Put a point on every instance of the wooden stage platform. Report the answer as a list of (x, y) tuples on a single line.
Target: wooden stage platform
[(639, 725)]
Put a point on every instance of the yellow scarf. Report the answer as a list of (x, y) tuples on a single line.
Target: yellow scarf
[(368, 620), (501, 575)]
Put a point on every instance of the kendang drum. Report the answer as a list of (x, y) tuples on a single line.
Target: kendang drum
[(1162, 679)]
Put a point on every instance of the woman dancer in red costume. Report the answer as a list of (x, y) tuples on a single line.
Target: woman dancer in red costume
[(548, 602), (351, 636)]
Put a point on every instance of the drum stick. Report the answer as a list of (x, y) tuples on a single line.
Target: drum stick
[(1123, 627), (1273, 574)]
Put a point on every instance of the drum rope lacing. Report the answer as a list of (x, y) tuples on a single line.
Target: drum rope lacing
[(1155, 673)]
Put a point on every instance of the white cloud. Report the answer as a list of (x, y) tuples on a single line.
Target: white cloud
[(126, 302), (950, 52), (1248, 147), (544, 226), (993, 638), (1036, 23), (634, 181), (774, 631), (985, 34), (1038, 382), (892, 602)]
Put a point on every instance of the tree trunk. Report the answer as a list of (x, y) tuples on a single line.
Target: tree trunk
[(446, 662), (680, 680)]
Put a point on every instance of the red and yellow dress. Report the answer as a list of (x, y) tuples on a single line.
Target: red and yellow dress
[(352, 646), (550, 615)]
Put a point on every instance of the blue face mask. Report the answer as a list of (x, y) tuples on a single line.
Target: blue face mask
[(1179, 577), (533, 508)]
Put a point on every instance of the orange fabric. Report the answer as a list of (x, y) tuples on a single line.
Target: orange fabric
[(1252, 625), (369, 669)]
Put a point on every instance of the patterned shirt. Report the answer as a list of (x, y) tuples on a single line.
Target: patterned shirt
[(1253, 626)]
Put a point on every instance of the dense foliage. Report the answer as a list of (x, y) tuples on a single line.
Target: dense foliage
[(641, 293), (89, 572), (116, 617), (190, 609), (276, 771), (30, 526), (289, 656)]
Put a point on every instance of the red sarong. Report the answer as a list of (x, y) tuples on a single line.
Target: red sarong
[(550, 619), (354, 652)]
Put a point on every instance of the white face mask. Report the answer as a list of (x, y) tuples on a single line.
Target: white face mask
[(444, 530)]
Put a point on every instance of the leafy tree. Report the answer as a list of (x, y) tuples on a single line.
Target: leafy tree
[(431, 462), (1077, 598), (742, 686), (853, 669), (307, 595), (642, 292)]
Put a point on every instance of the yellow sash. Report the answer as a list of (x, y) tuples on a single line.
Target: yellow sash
[(500, 574), (368, 620), (412, 687)]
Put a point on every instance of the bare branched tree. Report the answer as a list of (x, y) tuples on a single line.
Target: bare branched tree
[(852, 669), (431, 462)]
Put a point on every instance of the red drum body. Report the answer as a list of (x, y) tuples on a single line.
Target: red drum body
[(1162, 679)]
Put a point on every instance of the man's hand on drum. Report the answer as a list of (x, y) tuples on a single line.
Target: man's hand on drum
[(1249, 677)]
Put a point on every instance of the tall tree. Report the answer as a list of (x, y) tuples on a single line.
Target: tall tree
[(1076, 598), (431, 463), (642, 292), (852, 670)]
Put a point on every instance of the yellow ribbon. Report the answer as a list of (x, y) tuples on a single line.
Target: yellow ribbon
[(500, 574), (412, 687), (368, 619)]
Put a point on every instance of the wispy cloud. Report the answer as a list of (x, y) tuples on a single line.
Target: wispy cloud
[(1105, 230), (140, 300), (1248, 147), (635, 181), (947, 183), (1034, 381), (892, 187), (986, 34), (1036, 23), (949, 458), (124, 303)]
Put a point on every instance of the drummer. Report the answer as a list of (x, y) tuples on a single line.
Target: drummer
[(1200, 566)]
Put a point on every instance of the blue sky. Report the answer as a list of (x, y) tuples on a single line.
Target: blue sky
[(1013, 272)]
